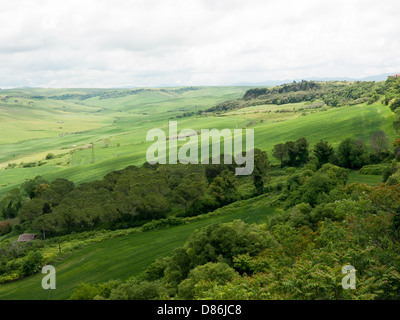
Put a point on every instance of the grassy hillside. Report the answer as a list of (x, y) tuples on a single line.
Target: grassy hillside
[(121, 140), (92, 132), (36, 122), (368, 179), (333, 125), (126, 256)]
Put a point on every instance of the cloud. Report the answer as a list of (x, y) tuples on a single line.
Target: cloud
[(102, 43)]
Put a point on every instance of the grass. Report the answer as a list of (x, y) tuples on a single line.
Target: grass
[(116, 122), (370, 180), (333, 125), (124, 121), (126, 256), (30, 127)]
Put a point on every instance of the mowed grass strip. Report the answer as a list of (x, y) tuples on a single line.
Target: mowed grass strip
[(125, 256), (371, 180)]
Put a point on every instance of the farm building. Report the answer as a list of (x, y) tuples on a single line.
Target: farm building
[(27, 237)]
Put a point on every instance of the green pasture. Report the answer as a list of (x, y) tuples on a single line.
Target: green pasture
[(368, 179), (126, 256), (120, 139)]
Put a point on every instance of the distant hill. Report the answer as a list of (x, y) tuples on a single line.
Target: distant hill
[(271, 83)]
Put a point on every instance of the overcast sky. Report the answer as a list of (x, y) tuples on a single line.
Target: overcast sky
[(101, 43)]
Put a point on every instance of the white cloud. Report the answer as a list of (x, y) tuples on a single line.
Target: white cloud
[(102, 43)]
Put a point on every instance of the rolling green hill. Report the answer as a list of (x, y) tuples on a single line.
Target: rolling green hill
[(126, 256), (116, 122), (92, 132)]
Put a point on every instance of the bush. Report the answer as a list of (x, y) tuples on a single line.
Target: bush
[(373, 169), (32, 263), (5, 227), (217, 241), (86, 291), (134, 290), (50, 156), (395, 104), (388, 171), (11, 166), (29, 164), (217, 272), (163, 223), (394, 179)]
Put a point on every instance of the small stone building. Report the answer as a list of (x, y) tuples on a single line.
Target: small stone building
[(27, 237)]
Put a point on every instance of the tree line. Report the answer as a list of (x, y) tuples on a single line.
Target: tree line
[(351, 153), (333, 94), (295, 255), (125, 198)]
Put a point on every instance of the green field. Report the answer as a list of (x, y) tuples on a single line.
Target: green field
[(116, 122), (35, 122), (125, 256), (371, 180)]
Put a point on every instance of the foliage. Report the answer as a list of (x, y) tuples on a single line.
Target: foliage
[(280, 152), (334, 94), (301, 256), (298, 254), (86, 291), (224, 188), (323, 151), (314, 187), (374, 169), (296, 152), (32, 264), (352, 154), (218, 272), (261, 166), (5, 227)]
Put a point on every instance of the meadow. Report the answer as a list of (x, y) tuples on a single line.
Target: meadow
[(127, 256), (91, 132), (94, 131)]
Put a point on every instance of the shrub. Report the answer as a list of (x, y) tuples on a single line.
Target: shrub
[(134, 290), (32, 263), (373, 169), (5, 227), (29, 164), (163, 223), (217, 272), (86, 291)]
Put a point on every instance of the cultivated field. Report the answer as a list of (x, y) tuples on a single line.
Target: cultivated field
[(91, 132), (36, 122), (126, 256)]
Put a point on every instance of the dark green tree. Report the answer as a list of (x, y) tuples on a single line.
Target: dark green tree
[(353, 154), (224, 187), (30, 186), (302, 150), (323, 151), (261, 166), (62, 186), (280, 152), (191, 189), (217, 272), (11, 203), (32, 210), (32, 263), (395, 104)]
